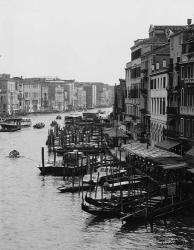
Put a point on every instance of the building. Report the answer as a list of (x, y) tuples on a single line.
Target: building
[(90, 95), (9, 103), (81, 97), (32, 94), (159, 79), (138, 78), (69, 87), (181, 89), (107, 96)]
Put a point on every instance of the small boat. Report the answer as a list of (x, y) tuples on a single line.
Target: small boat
[(75, 188), (58, 117), (14, 154), (39, 125), (101, 211)]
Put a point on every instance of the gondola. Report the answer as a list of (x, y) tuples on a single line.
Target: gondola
[(76, 187)]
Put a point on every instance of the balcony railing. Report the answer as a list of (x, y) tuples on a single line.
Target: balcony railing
[(172, 110), (184, 110)]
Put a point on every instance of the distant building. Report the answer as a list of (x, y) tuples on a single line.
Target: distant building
[(81, 97), (32, 88), (9, 103), (90, 96)]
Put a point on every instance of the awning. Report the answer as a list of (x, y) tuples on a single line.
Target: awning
[(167, 144), (159, 156), (190, 152), (175, 166)]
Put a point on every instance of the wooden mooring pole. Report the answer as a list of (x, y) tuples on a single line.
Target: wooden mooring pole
[(43, 160)]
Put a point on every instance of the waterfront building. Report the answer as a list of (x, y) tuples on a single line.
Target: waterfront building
[(9, 103), (90, 95), (138, 79), (32, 94), (44, 97), (81, 97), (69, 87), (20, 91), (107, 96), (159, 79), (119, 105), (60, 94), (181, 89), (59, 98)]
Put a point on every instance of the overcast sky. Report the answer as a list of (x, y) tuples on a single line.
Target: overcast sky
[(86, 40)]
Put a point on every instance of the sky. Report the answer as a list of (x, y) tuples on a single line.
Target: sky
[(85, 40)]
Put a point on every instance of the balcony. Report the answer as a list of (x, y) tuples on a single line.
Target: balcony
[(187, 57), (187, 81), (184, 110), (172, 110)]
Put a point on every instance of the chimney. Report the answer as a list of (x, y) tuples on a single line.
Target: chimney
[(189, 21)]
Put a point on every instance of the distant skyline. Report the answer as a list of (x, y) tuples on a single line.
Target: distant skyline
[(85, 40)]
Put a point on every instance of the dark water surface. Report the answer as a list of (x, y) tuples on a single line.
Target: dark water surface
[(33, 215)]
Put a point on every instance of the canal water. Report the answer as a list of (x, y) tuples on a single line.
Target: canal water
[(34, 215)]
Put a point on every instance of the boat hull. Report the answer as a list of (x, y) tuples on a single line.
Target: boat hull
[(62, 171)]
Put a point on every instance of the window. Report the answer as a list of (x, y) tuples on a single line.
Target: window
[(185, 71), (157, 65), (164, 106), (164, 82), (136, 54), (164, 63), (154, 87), (151, 84), (182, 72), (180, 39), (182, 97), (193, 128), (191, 70), (182, 126), (160, 106), (188, 126), (153, 67)]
